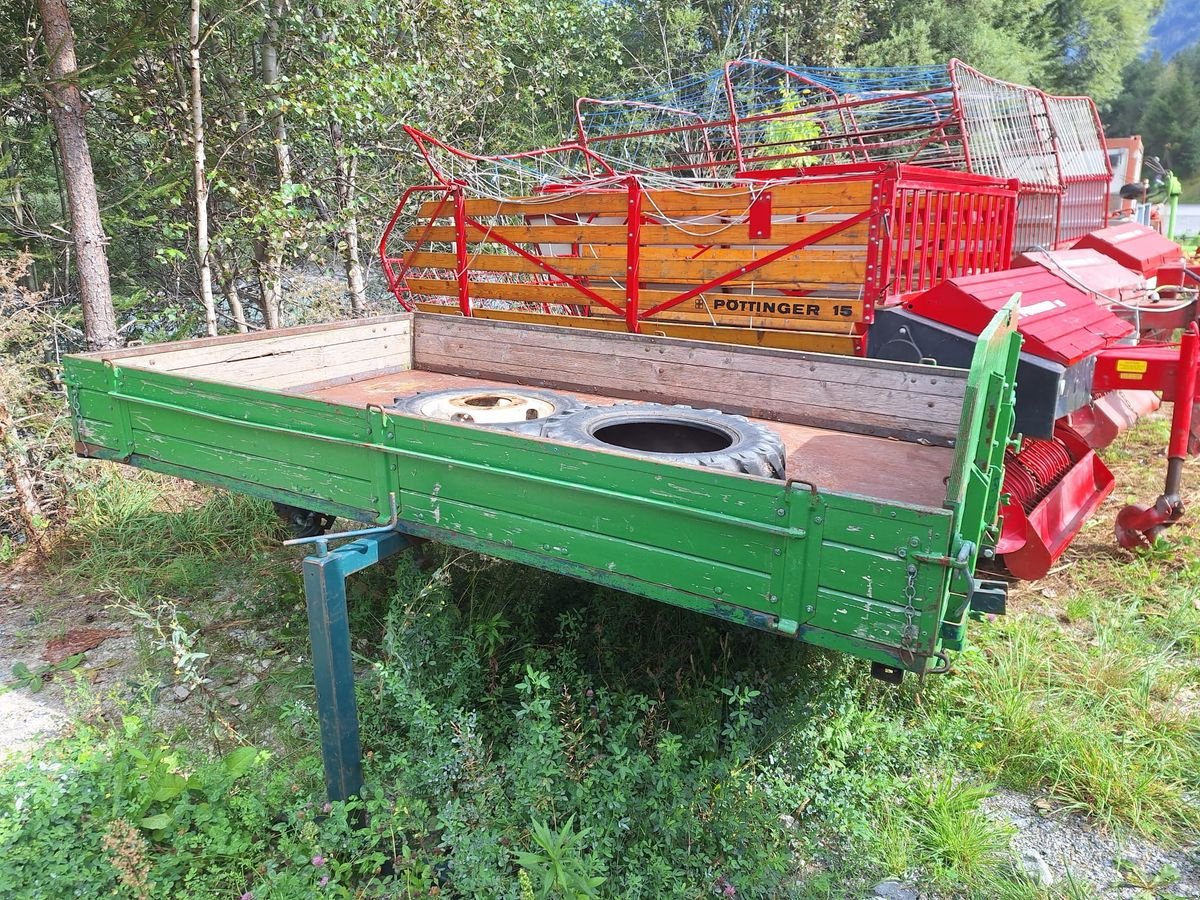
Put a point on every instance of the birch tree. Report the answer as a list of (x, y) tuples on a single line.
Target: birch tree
[(270, 247), (199, 177)]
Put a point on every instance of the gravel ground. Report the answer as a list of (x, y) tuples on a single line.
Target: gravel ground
[(1070, 845)]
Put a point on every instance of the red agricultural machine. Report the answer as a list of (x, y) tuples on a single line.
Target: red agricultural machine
[(886, 213)]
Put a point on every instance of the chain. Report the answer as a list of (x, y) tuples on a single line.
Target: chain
[(908, 635)]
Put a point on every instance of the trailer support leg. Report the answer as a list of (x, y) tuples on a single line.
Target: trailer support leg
[(333, 670)]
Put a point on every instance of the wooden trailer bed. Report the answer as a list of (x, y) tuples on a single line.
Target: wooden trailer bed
[(867, 546), (841, 461)]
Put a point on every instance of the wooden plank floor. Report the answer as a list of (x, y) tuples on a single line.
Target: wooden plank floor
[(833, 460)]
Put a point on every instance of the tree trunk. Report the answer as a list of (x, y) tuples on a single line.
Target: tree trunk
[(199, 178), (346, 170), (227, 274), (87, 232), (16, 472), (269, 255), (270, 290)]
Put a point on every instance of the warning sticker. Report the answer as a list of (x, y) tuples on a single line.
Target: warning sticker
[(1132, 365)]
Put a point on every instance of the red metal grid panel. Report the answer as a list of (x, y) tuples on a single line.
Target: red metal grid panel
[(1059, 322)]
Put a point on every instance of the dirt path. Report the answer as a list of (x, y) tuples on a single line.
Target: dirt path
[(40, 624)]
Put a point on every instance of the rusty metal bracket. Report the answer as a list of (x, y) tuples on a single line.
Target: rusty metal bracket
[(812, 488)]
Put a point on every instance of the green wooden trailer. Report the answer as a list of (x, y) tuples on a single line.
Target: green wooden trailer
[(867, 545)]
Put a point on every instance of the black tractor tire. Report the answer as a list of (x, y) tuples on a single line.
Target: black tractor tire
[(679, 434), (552, 406), (303, 523)]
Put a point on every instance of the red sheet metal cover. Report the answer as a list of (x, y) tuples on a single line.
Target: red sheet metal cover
[(1134, 246), (1102, 275), (1059, 321)]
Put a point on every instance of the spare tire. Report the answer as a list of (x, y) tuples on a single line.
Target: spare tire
[(509, 407), (679, 434)]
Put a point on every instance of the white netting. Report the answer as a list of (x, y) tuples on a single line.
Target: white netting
[(702, 130), (1080, 143)]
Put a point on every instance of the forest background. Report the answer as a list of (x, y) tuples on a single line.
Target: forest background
[(297, 107)]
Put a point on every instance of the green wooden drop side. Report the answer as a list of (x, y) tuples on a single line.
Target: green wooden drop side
[(884, 581)]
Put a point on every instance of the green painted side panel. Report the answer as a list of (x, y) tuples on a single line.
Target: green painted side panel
[(828, 568)]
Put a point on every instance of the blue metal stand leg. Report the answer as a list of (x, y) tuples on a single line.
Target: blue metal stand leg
[(329, 634)]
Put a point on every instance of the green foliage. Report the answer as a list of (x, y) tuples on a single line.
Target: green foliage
[(1078, 47), (955, 841), (1100, 724), (794, 134), (606, 737), (1161, 102), (125, 812), (34, 679), (557, 866)]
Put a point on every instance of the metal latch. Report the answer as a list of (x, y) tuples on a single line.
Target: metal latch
[(960, 561)]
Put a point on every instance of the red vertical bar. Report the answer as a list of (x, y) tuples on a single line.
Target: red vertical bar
[(633, 234), (900, 223), (883, 192), (959, 232), (991, 238), (979, 233), (926, 237), (1010, 226), (933, 251), (948, 232), (916, 239), (970, 209), (460, 250), (1185, 394), (950, 240)]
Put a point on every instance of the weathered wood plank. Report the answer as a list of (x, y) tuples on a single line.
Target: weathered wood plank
[(784, 391), (218, 352), (266, 369), (797, 389), (712, 307), (804, 267), (378, 360), (696, 235), (773, 338), (800, 365), (233, 339), (785, 198)]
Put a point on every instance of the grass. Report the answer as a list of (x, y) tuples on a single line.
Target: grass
[(507, 711), (1088, 689), (144, 536)]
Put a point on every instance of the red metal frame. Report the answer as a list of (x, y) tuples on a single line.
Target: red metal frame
[(394, 268), (1161, 367), (965, 223), (1139, 526)]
